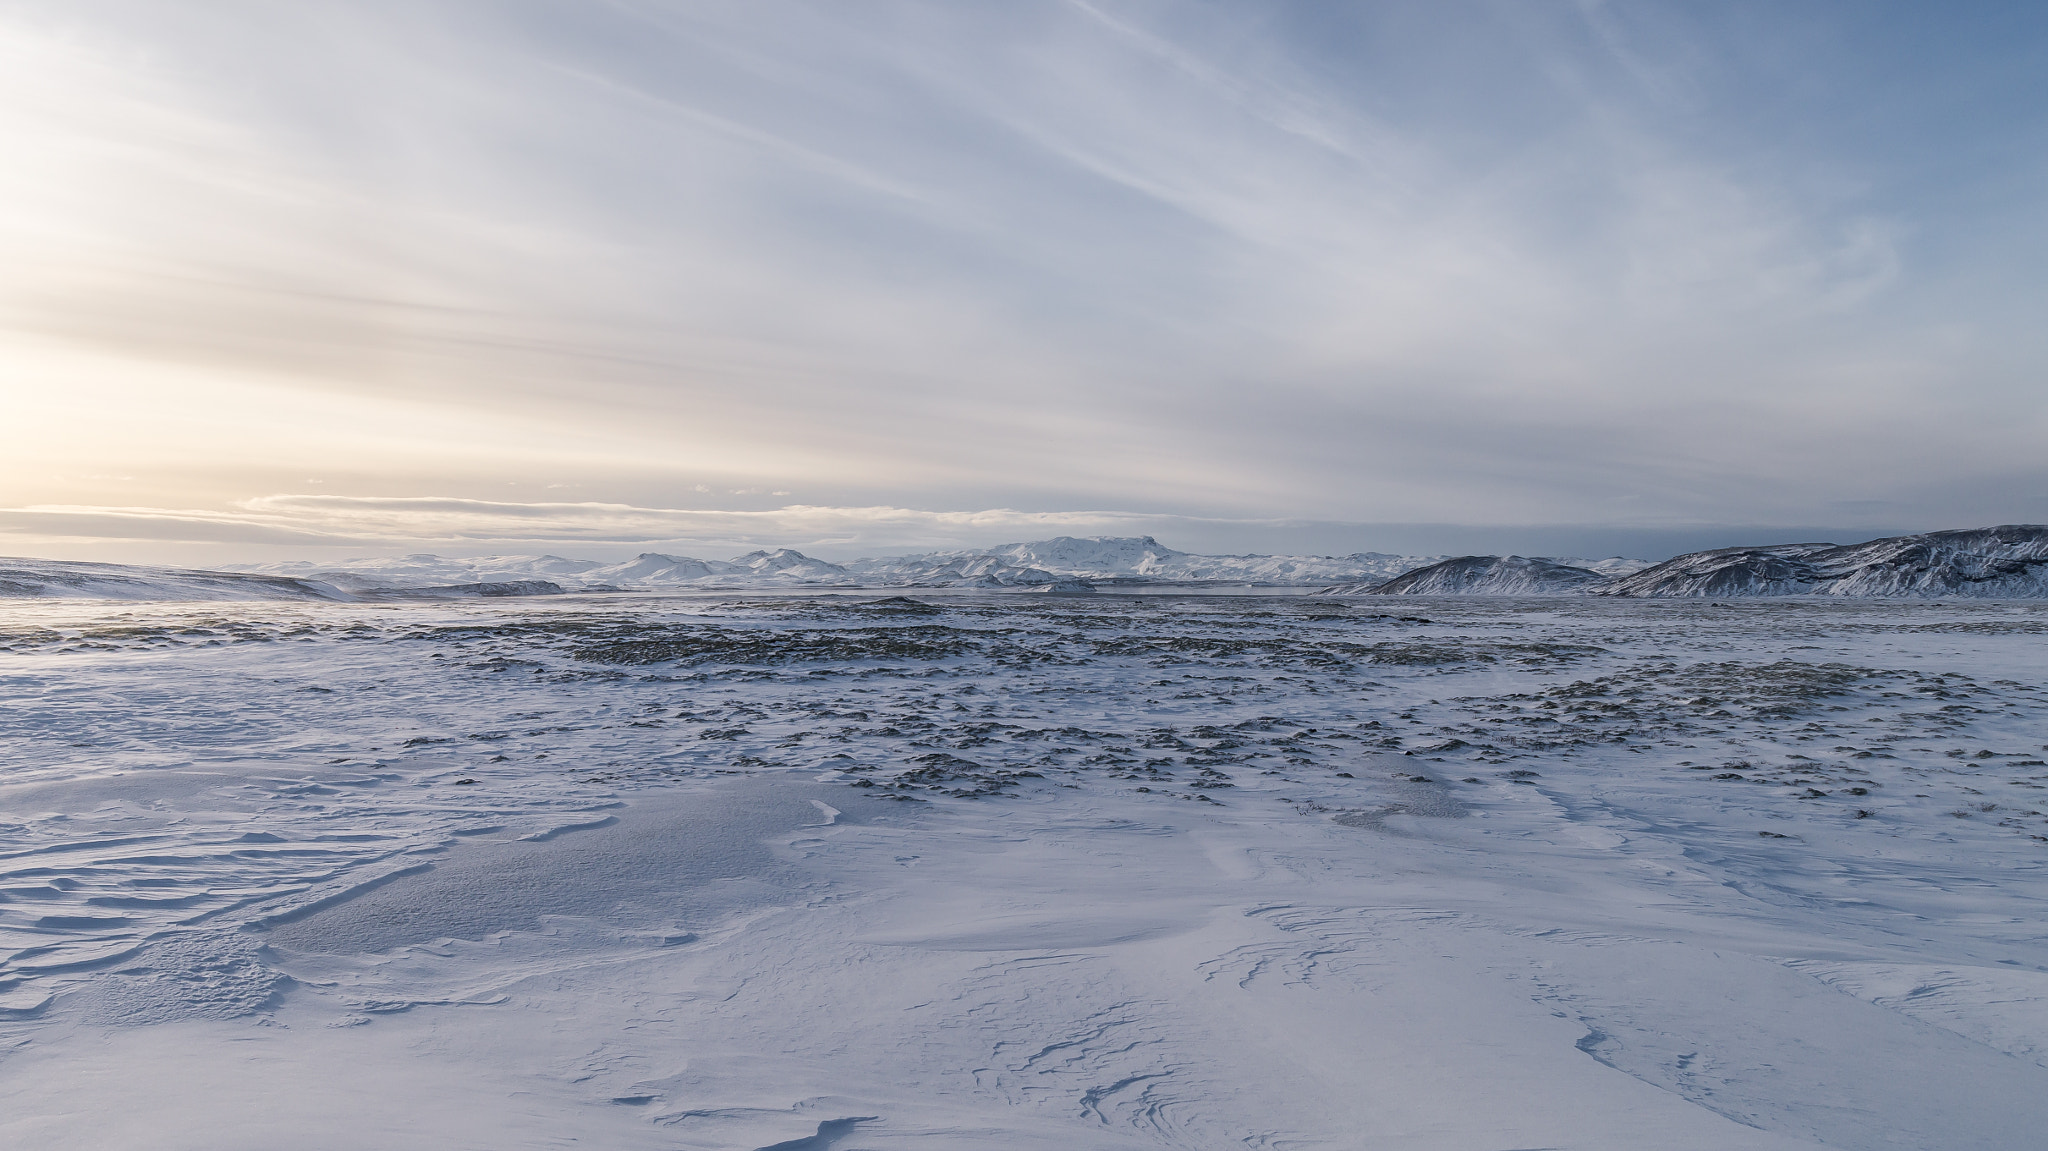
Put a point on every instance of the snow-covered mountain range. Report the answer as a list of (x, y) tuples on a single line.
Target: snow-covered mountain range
[(649, 569), (1142, 558), (1065, 564), (2010, 561), (1057, 563)]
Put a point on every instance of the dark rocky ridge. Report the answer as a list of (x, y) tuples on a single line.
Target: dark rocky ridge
[(1491, 575), (1992, 563), (2008, 562)]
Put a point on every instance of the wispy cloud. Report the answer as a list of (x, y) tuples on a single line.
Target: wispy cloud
[(1464, 262), (329, 521), (303, 526)]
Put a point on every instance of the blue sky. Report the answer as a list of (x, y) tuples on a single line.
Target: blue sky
[(855, 277)]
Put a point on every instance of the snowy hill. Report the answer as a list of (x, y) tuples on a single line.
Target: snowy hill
[(1104, 557), (420, 571), (1145, 558), (1992, 563), (952, 570), (1611, 566), (56, 579), (1489, 575), (784, 564), (1497, 575), (653, 569), (779, 568), (782, 567)]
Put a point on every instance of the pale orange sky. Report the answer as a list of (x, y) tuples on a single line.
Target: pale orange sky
[(280, 277)]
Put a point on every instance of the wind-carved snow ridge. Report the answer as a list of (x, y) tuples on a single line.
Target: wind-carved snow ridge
[(1013, 871)]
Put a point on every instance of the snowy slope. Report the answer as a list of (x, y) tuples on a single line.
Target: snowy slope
[(1611, 566), (1992, 563), (52, 579), (942, 569), (962, 570), (420, 570), (1486, 575), (1497, 575), (653, 569), (787, 565), (485, 589), (778, 568), (1060, 561), (57, 579), (1145, 558)]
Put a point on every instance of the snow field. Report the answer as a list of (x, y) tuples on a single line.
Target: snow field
[(1023, 872)]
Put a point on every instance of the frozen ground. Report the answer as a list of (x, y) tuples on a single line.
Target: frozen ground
[(1026, 872)]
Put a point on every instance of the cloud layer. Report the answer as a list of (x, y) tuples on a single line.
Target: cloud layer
[(1484, 263), (344, 521), (292, 526)]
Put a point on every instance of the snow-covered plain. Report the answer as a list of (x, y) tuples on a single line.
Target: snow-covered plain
[(962, 871)]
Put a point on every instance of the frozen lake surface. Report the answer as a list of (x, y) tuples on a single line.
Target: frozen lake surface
[(981, 871)]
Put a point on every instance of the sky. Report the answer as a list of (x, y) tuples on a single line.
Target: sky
[(598, 277)]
